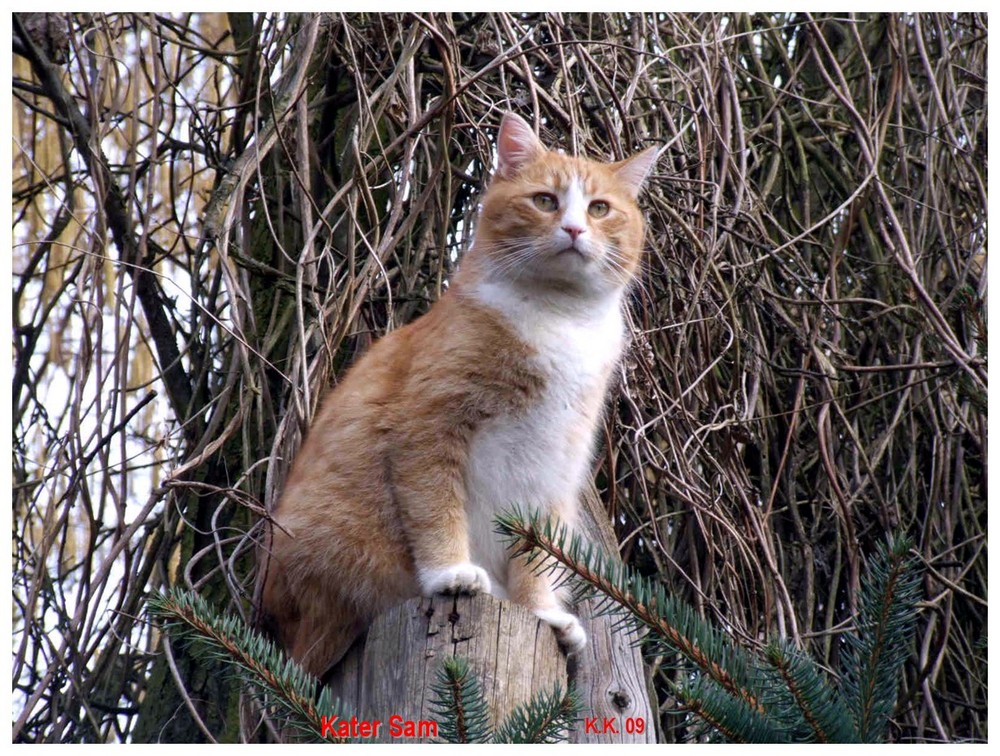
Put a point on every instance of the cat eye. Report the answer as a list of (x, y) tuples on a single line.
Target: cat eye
[(546, 202), (598, 209)]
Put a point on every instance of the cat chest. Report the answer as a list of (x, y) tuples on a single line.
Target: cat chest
[(542, 453), (538, 453)]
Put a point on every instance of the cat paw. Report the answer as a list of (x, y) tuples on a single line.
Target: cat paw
[(458, 578), (568, 629)]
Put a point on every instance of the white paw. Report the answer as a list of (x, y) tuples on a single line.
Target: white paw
[(568, 629), (464, 577)]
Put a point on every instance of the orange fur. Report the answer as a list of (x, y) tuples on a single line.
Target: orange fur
[(393, 492)]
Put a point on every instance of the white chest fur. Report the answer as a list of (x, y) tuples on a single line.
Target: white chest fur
[(540, 459)]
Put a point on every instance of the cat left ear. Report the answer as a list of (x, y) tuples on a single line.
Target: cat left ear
[(517, 145), (632, 171)]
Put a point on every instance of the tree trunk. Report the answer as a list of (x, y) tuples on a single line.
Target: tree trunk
[(387, 674)]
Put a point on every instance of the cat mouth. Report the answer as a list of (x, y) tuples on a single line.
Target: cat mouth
[(572, 249)]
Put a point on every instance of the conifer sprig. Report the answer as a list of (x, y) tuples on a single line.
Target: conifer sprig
[(726, 716), (672, 621), (880, 646), (778, 695), (463, 714), (803, 700), (283, 685), (546, 718), (459, 704)]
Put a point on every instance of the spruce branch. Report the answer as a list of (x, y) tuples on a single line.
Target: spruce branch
[(463, 715), (282, 683), (728, 716), (459, 703), (546, 718), (877, 651), (810, 708), (671, 621), (779, 695)]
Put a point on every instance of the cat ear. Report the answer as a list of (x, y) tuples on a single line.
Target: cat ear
[(632, 171), (517, 145)]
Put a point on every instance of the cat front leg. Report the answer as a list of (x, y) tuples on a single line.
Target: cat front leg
[(532, 586), (463, 577), (567, 627), (430, 495)]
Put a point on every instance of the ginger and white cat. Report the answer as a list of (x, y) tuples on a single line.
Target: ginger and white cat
[(490, 400)]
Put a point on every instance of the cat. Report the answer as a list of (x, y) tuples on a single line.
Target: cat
[(488, 401)]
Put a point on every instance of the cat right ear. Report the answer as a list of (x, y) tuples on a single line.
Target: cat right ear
[(517, 145), (632, 171)]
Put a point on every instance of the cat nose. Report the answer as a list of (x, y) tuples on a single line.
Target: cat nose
[(573, 231)]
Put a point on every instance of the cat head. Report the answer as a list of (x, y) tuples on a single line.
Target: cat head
[(554, 221)]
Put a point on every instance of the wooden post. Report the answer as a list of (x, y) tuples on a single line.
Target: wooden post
[(387, 674), (609, 673)]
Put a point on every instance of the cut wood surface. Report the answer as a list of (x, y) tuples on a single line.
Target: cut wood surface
[(388, 673)]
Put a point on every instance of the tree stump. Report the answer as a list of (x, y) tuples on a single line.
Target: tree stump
[(386, 676)]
